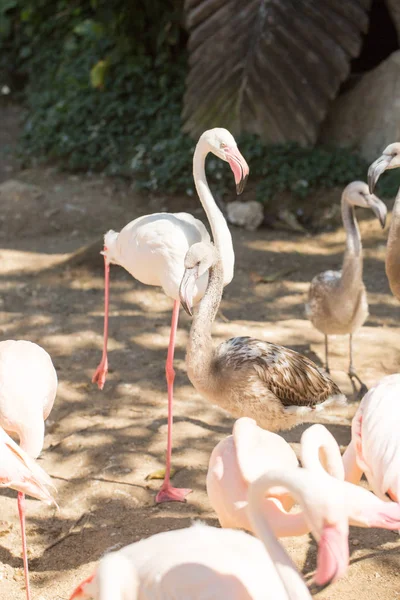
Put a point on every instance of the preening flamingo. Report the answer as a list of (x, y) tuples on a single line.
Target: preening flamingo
[(205, 562), (239, 459), (152, 249), (248, 377), (28, 387), (390, 159), (375, 444), (236, 462), (337, 300)]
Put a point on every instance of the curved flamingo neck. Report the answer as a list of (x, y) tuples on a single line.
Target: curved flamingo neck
[(320, 452), (293, 481), (221, 235), (353, 237), (392, 261), (353, 473)]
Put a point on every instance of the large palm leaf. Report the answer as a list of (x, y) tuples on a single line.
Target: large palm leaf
[(268, 66)]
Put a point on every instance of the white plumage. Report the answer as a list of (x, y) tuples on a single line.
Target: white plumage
[(152, 249), (375, 441)]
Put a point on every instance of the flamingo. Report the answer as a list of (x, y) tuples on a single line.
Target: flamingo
[(390, 159), (337, 300), (248, 377), (239, 459), (375, 445), (205, 562), (28, 387), (152, 249)]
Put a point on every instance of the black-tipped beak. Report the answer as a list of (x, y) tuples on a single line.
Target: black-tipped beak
[(376, 169), (186, 289), (241, 185), (315, 589), (378, 208), (239, 167)]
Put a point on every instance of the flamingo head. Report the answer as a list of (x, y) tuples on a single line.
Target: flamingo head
[(199, 258), (389, 159), (328, 519), (333, 554), (357, 194), (222, 143)]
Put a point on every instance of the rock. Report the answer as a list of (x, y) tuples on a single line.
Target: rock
[(249, 215), (394, 10), (368, 116), (18, 190)]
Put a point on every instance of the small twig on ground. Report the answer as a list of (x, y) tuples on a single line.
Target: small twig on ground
[(70, 531)]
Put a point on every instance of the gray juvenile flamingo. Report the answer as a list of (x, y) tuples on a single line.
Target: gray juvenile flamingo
[(337, 300)]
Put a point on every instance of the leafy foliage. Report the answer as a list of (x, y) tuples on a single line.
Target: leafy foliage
[(269, 68), (104, 82)]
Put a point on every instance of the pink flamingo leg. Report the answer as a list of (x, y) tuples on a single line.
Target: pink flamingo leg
[(168, 493), (100, 374), (21, 510)]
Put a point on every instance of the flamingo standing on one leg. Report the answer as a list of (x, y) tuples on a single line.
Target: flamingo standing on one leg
[(375, 445), (206, 562), (28, 386), (240, 458), (152, 249)]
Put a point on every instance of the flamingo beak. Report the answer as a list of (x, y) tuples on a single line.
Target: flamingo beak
[(239, 167), (377, 168), (80, 592), (186, 289), (378, 208), (333, 556)]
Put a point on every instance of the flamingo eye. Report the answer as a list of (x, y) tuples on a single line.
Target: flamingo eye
[(222, 145)]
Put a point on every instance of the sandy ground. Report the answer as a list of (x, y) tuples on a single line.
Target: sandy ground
[(100, 446)]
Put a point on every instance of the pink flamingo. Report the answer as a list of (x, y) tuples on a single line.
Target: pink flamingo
[(152, 249), (206, 562), (375, 446), (240, 458), (28, 387)]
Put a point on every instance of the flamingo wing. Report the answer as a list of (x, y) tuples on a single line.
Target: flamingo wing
[(376, 434)]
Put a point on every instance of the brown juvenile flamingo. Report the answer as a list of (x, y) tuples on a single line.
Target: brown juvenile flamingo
[(248, 377), (390, 159)]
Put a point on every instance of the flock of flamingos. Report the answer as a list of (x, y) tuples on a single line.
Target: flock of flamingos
[(254, 477)]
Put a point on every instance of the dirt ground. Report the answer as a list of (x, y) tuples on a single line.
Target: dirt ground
[(100, 446)]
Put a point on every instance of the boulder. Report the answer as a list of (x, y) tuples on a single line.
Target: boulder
[(249, 215), (368, 116), (394, 11)]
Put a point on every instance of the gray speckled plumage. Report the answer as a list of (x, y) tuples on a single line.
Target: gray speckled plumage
[(337, 300), (274, 385)]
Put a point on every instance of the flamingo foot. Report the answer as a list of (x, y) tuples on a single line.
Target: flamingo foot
[(100, 374), (168, 493)]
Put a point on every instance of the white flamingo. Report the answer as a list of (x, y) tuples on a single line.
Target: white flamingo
[(152, 249), (28, 387), (239, 459), (375, 445), (204, 562)]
